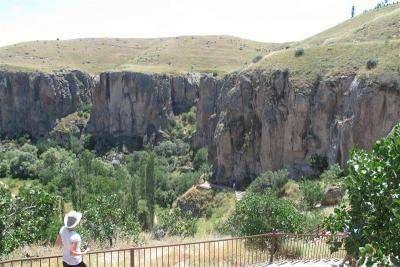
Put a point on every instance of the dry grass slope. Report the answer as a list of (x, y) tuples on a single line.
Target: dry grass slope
[(219, 54), (344, 49)]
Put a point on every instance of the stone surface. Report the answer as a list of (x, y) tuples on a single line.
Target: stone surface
[(253, 122), (31, 103), (133, 108), (332, 196)]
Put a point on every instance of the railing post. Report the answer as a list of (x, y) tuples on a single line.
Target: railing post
[(274, 246), (132, 256)]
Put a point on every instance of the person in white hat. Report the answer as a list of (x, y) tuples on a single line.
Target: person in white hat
[(71, 241)]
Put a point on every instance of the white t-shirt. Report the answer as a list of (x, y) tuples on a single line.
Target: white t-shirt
[(68, 237)]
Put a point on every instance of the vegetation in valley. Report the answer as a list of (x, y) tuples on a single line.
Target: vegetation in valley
[(120, 194)]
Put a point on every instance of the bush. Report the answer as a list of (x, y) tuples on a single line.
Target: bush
[(275, 180), (177, 222), (257, 58), (3, 169), (200, 158), (298, 52), (373, 186), (333, 173), (319, 162), (106, 219), (195, 201), (23, 165), (26, 218), (313, 193), (263, 213), (371, 63)]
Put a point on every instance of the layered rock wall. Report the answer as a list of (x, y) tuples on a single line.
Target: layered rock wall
[(133, 108), (31, 103), (251, 122), (261, 123)]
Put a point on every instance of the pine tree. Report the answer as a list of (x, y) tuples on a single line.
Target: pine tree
[(150, 187)]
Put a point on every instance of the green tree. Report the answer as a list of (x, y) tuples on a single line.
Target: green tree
[(177, 222), (200, 158), (313, 192), (106, 219), (150, 188), (275, 180), (23, 165), (373, 186), (263, 213), (28, 218), (133, 196)]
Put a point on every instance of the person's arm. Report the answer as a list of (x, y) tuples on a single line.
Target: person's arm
[(75, 251), (58, 241)]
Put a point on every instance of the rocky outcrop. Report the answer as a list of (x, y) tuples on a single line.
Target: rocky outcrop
[(133, 108), (31, 103), (253, 122)]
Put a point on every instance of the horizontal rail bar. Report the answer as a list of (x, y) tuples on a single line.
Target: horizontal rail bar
[(131, 250)]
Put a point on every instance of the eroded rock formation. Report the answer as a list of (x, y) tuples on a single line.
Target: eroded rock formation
[(31, 103), (259, 122), (251, 121), (133, 108)]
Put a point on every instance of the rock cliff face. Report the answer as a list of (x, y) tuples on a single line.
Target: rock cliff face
[(132, 108), (251, 122), (255, 122), (31, 103)]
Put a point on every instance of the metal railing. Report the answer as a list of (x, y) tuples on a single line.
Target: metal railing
[(236, 251)]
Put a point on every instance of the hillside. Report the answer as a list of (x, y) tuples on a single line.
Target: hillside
[(167, 55), (344, 49)]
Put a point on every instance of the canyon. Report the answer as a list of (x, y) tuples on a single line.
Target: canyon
[(250, 121)]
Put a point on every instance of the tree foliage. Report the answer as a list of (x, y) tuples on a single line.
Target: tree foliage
[(177, 222), (150, 188), (106, 219), (263, 213), (27, 218), (313, 192), (373, 185), (271, 179)]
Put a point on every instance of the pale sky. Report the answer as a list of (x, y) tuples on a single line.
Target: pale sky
[(261, 20)]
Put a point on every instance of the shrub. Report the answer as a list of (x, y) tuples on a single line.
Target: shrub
[(177, 222), (319, 162), (200, 158), (106, 219), (373, 186), (371, 63), (298, 52), (215, 74), (263, 213), (275, 180), (23, 165), (257, 58), (195, 201), (26, 218), (29, 149), (333, 173), (3, 169), (313, 193)]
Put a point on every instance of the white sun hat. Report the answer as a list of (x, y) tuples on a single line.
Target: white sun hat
[(72, 219)]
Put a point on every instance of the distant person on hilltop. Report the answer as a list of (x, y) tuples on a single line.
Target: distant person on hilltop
[(71, 241)]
